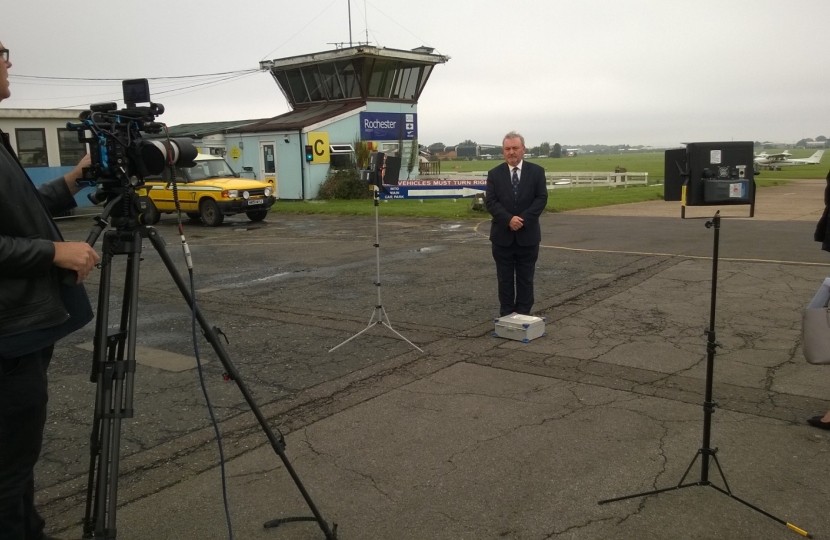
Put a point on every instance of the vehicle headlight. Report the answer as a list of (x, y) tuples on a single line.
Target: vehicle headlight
[(268, 191), (246, 195), (232, 193)]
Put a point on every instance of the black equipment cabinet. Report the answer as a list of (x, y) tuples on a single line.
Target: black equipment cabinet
[(711, 174)]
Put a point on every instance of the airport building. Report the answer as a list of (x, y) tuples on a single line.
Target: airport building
[(338, 98)]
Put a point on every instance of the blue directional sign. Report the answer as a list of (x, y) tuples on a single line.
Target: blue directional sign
[(376, 126), (430, 192)]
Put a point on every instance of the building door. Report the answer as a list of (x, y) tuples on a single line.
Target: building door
[(268, 163)]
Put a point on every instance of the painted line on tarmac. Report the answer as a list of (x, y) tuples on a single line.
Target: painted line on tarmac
[(679, 255), (274, 243), (654, 254)]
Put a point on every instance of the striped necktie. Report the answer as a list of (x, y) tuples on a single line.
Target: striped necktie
[(515, 181)]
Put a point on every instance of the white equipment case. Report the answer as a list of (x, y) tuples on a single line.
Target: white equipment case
[(520, 327)]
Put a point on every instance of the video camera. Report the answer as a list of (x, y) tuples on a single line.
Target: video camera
[(120, 157)]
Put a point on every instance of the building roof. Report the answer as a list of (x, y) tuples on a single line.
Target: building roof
[(208, 128), (301, 117), (419, 54), (357, 73), (41, 113)]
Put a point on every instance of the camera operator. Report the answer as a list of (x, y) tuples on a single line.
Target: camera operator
[(36, 310), (822, 235)]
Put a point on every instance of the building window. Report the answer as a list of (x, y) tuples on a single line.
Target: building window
[(297, 86), (71, 149), (331, 80), (350, 77), (380, 78), (31, 147), (341, 155), (314, 83), (390, 148)]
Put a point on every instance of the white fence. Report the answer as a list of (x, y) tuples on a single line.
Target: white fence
[(558, 180), (555, 180)]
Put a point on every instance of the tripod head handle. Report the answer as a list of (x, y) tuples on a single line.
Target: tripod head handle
[(70, 277)]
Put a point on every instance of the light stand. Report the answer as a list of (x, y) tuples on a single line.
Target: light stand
[(379, 312), (113, 372), (706, 451)]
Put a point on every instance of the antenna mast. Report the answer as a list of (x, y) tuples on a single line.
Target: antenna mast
[(350, 22)]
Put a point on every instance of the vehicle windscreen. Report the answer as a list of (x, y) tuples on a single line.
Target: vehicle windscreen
[(212, 168)]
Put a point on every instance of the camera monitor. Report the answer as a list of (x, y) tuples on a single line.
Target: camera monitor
[(136, 91)]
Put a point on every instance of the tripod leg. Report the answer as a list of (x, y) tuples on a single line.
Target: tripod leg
[(212, 335), (679, 485), (114, 376), (388, 324), (98, 443), (790, 526), (372, 322), (728, 492)]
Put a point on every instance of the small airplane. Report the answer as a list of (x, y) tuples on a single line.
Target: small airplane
[(782, 159)]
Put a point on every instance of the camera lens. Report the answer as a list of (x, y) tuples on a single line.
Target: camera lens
[(154, 154)]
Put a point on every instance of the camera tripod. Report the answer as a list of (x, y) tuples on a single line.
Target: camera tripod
[(114, 368), (378, 311), (705, 452)]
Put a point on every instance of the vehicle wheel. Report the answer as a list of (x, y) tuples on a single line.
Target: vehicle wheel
[(195, 216), (256, 215), (210, 213), (151, 215)]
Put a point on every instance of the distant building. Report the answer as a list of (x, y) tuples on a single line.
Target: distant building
[(40, 136), (44, 145), (467, 151)]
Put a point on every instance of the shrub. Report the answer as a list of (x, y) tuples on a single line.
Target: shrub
[(344, 184)]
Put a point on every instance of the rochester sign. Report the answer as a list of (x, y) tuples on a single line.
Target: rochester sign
[(388, 126)]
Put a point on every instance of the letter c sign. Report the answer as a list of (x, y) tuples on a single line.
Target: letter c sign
[(319, 141)]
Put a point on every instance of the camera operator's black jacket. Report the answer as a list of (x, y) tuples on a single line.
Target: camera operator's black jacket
[(30, 291), (823, 227)]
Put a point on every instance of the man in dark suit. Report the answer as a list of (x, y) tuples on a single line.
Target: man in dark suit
[(516, 196)]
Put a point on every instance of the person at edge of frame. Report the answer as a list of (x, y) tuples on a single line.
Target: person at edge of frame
[(516, 196), (823, 235), (36, 310)]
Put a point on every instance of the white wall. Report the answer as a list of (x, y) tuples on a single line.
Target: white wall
[(12, 119)]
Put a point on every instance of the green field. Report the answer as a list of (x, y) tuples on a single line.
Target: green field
[(559, 200), (651, 163)]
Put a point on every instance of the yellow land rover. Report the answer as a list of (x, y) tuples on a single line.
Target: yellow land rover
[(210, 191)]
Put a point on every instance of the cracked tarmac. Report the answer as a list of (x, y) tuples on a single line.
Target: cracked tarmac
[(477, 438)]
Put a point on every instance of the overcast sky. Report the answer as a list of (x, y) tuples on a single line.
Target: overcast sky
[(652, 72)]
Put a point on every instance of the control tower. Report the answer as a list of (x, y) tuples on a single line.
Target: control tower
[(337, 97)]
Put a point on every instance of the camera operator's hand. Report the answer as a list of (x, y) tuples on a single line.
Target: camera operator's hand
[(77, 256), (71, 177)]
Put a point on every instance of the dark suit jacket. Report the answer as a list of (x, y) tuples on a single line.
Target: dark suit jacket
[(529, 205)]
